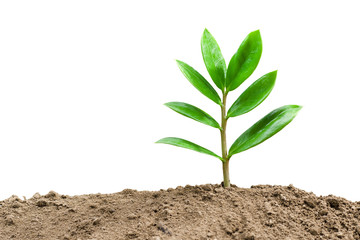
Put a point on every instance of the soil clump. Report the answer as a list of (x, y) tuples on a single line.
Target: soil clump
[(205, 212)]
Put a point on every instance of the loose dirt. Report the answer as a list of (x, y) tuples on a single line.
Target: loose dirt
[(190, 212)]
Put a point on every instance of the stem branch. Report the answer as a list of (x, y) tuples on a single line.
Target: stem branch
[(223, 142)]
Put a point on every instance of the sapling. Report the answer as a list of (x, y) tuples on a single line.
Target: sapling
[(227, 79)]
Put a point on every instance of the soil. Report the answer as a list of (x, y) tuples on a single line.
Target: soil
[(190, 212)]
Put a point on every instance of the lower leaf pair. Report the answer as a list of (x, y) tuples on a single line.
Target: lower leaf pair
[(256, 134)]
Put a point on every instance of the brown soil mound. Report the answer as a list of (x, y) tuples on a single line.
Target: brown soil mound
[(190, 212)]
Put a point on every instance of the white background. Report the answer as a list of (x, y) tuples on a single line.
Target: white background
[(82, 87)]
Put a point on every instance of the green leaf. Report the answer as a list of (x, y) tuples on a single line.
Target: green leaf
[(179, 142), (265, 128), (213, 59), (193, 112), (199, 82), (253, 95), (244, 61)]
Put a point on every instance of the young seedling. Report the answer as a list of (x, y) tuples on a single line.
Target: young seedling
[(241, 66)]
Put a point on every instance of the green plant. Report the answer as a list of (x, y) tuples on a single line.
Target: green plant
[(241, 66)]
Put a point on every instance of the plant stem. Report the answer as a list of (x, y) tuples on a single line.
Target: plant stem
[(226, 174), (223, 142)]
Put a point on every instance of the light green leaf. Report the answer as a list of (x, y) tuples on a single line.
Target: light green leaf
[(265, 128), (193, 112), (244, 61), (213, 59), (179, 142), (199, 82), (253, 95)]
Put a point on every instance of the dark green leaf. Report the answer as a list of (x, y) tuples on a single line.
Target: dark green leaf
[(213, 59), (193, 112), (179, 142), (253, 95), (244, 61), (265, 128), (199, 82)]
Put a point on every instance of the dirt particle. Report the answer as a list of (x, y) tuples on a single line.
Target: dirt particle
[(291, 187), (269, 223), (268, 208), (161, 226), (282, 197), (41, 203), (219, 190), (310, 203), (96, 221), (131, 216), (92, 206), (36, 195), (206, 198), (168, 212), (323, 212), (334, 203), (156, 195), (132, 235), (314, 231), (187, 186), (16, 205), (52, 195), (66, 237), (207, 187), (72, 210), (105, 210), (128, 191), (13, 199), (250, 237), (339, 234), (9, 220)]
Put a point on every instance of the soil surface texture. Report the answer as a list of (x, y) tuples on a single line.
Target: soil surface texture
[(190, 212)]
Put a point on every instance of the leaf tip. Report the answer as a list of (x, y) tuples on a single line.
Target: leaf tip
[(257, 37), (204, 36), (296, 106), (274, 73), (168, 104), (299, 107), (163, 140), (180, 64), (256, 32), (295, 109)]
